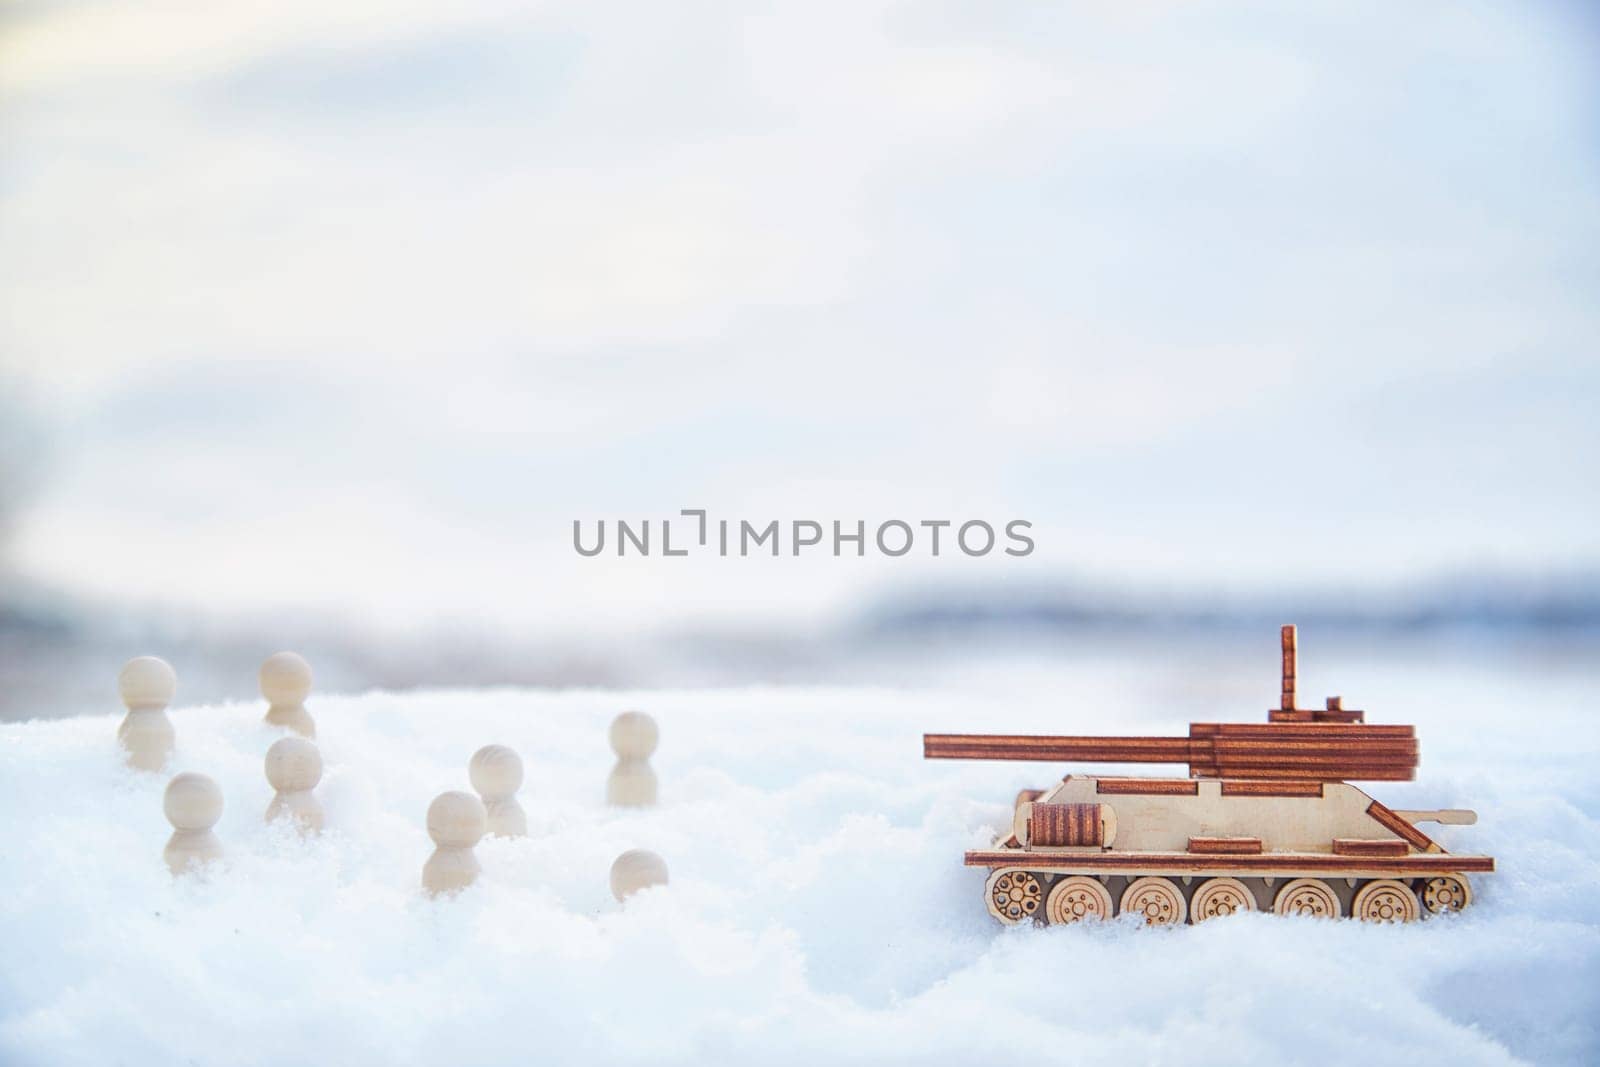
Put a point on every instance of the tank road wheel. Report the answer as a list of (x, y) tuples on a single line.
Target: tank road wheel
[(1448, 892), (1385, 900), (1220, 896), (1157, 899), (1076, 898), (1013, 895), (1307, 896)]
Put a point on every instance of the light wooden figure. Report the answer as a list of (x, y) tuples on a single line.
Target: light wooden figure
[(294, 767), (193, 804), (634, 870), (456, 822), (286, 682), (496, 773), (147, 685), (633, 781)]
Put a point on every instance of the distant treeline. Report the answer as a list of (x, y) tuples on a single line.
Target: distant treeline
[(1485, 604)]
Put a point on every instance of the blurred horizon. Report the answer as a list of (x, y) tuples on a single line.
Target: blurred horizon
[(330, 320), (63, 654)]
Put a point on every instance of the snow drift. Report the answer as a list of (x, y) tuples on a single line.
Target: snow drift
[(818, 911)]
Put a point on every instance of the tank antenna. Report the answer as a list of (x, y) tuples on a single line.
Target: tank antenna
[(1290, 659)]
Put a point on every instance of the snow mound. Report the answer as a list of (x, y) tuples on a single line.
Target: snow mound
[(818, 910)]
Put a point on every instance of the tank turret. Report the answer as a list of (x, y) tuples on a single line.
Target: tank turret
[(1267, 818)]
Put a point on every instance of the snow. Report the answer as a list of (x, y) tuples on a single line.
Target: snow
[(818, 910)]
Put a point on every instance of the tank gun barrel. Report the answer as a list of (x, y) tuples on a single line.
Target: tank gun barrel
[(1057, 749), (1324, 752)]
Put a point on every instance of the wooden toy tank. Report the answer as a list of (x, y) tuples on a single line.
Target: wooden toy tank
[(1265, 820)]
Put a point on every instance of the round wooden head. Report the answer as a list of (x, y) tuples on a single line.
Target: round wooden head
[(286, 678), (636, 869), (457, 820), (147, 682), (495, 771), (293, 765), (192, 802), (634, 735)]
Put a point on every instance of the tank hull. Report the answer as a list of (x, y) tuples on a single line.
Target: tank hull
[(1188, 849)]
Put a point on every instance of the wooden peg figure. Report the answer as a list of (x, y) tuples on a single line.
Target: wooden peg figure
[(286, 682), (634, 870), (294, 767), (147, 685), (633, 781), (496, 773), (456, 822), (193, 804)]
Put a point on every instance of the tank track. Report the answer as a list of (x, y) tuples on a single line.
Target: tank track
[(1021, 894)]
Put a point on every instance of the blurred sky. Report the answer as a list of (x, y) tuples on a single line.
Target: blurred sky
[(356, 306)]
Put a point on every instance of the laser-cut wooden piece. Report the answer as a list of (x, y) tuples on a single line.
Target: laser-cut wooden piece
[(1225, 846), (1013, 896), (1266, 816), (1308, 896), (1158, 899), (1078, 899), (1445, 893), (1385, 900), (1218, 897), (1347, 846)]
